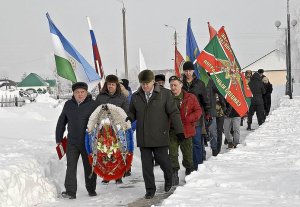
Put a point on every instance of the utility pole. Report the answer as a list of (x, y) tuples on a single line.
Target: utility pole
[(124, 41), (289, 89), (289, 70)]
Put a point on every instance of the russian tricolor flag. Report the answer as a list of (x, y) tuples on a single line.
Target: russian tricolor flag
[(97, 59)]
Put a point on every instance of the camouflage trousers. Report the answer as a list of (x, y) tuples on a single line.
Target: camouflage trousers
[(186, 147)]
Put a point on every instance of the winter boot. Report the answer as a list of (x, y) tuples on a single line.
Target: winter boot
[(105, 182), (175, 179), (69, 195), (215, 152), (188, 171), (225, 141), (249, 127), (119, 181), (230, 145)]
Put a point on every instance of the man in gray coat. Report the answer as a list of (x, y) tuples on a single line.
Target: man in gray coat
[(153, 107)]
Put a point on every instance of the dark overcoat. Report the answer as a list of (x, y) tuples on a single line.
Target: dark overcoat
[(258, 89), (153, 118), (76, 116)]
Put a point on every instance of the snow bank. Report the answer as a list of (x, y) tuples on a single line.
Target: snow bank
[(29, 167), (262, 172), (23, 181)]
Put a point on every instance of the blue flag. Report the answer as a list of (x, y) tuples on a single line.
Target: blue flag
[(192, 52)]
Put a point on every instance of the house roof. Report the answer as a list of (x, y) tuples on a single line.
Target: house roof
[(32, 80), (272, 61), (52, 83), (7, 82)]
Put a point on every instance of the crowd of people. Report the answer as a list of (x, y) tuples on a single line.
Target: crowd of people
[(186, 116)]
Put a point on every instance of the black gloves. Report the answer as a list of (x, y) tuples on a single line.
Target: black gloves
[(180, 137), (128, 119)]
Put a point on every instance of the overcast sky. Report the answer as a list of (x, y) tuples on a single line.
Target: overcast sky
[(26, 46)]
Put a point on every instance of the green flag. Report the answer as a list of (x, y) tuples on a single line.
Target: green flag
[(225, 72)]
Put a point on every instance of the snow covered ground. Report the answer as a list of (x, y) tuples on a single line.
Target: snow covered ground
[(263, 171)]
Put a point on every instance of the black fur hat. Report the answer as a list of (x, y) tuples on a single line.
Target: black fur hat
[(125, 83), (188, 65), (260, 71), (146, 76), (160, 77), (77, 85), (112, 79)]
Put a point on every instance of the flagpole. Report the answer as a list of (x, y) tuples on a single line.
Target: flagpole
[(175, 43), (98, 69), (124, 41)]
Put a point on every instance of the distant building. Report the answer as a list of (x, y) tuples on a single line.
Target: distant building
[(52, 86), (274, 65), (33, 83), (7, 84)]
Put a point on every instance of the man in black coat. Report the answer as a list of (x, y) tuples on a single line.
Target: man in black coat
[(267, 96), (257, 102), (76, 113), (111, 93), (153, 106), (212, 90), (192, 85)]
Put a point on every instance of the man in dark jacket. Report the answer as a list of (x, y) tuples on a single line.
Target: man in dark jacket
[(160, 79), (197, 87), (76, 113), (111, 93), (267, 95), (257, 103), (153, 106), (212, 128)]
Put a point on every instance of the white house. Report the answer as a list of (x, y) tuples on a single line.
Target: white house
[(274, 65)]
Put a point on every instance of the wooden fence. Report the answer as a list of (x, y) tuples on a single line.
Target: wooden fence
[(13, 101), (18, 101)]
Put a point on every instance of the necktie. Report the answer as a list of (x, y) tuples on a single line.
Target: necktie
[(148, 96)]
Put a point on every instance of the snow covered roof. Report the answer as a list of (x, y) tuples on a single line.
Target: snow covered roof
[(273, 61), (32, 80), (52, 83), (7, 82)]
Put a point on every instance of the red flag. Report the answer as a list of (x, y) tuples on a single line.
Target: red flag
[(212, 31), (179, 61), (61, 148), (223, 38)]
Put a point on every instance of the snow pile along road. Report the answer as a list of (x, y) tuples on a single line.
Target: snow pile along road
[(263, 171)]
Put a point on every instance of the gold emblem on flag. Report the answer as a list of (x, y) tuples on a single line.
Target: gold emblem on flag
[(231, 70), (73, 62)]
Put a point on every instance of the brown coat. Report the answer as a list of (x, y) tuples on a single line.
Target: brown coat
[(153, 118)]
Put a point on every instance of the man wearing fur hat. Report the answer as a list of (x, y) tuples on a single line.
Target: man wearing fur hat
[(153, 106), (192, 85), (76, 113), (111, 93), (160, 79)]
